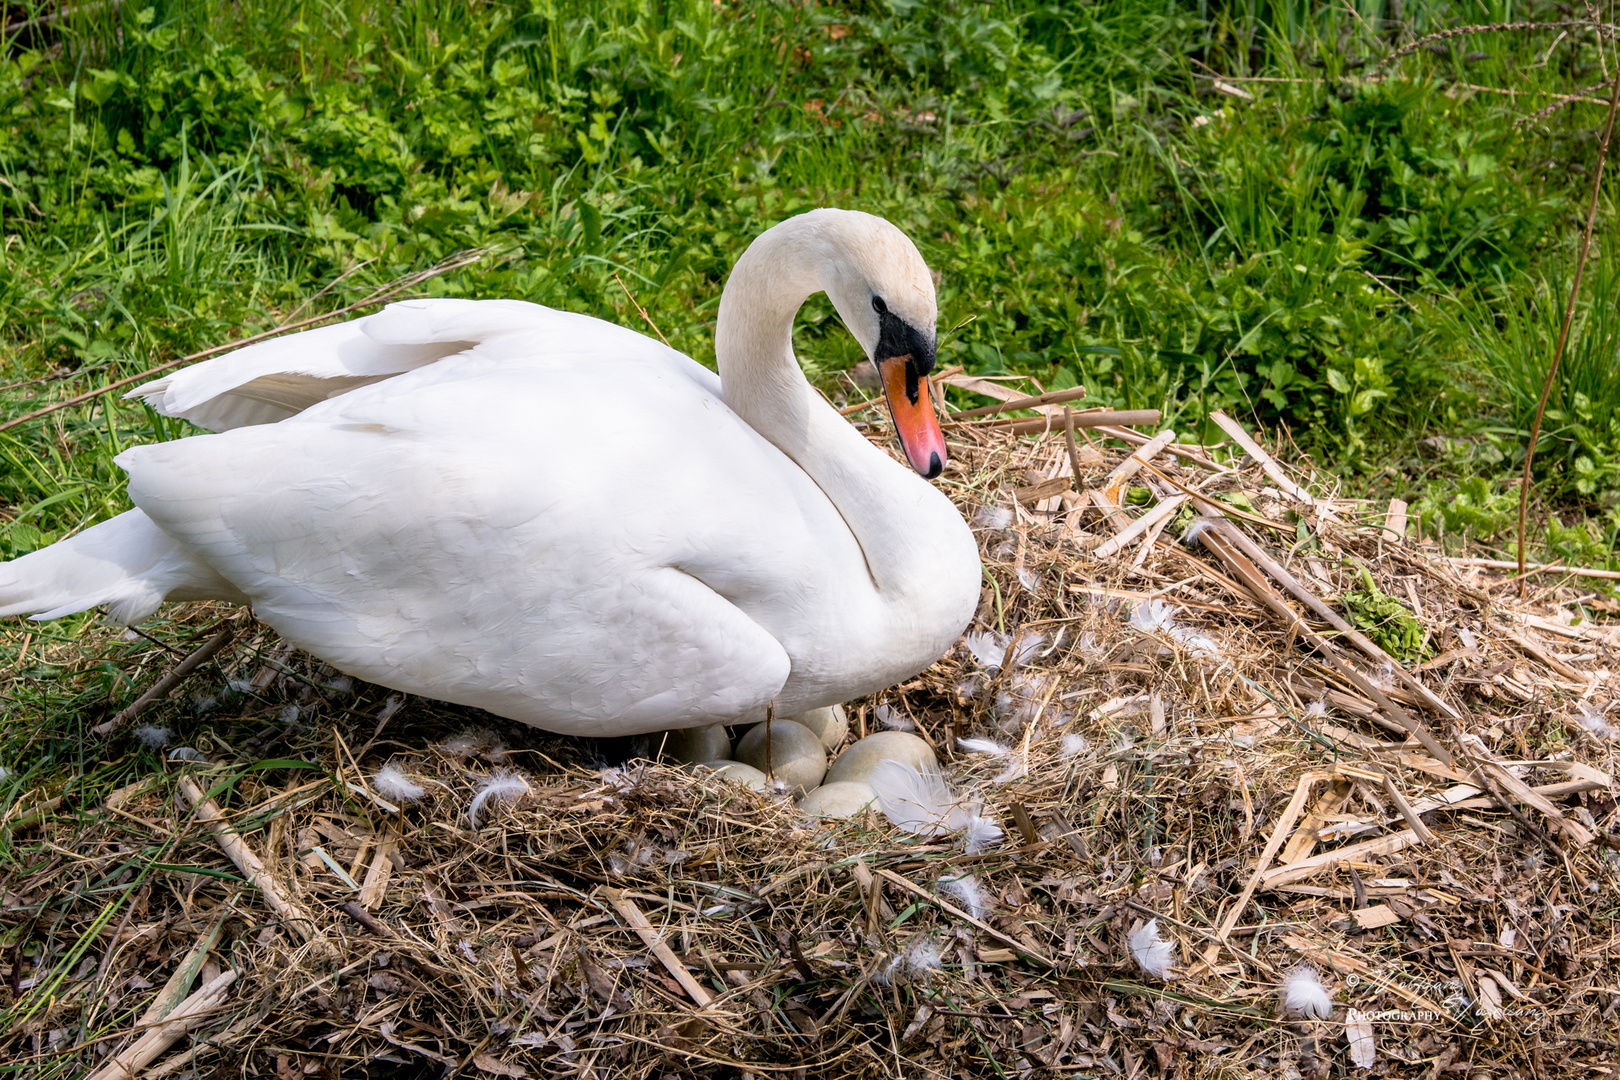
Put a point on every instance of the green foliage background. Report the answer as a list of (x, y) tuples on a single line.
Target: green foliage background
[(1368, 256)]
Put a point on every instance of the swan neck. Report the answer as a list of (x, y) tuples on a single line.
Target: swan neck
[(880, 500)]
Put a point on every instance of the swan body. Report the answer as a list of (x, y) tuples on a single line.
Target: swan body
[(555, 518)]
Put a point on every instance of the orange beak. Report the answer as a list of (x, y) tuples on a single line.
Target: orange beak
[(913, 414)]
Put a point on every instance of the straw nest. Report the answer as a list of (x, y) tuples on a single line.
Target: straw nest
[(1205, 786)]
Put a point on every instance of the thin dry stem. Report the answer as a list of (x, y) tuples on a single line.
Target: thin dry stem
[(1563, 331)]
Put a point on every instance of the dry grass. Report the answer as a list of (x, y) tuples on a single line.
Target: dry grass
[(1166, 777)]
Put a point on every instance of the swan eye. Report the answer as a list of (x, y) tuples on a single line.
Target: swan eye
[(878, 305)]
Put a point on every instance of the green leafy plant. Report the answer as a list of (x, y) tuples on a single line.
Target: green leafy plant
[(1388, 622)]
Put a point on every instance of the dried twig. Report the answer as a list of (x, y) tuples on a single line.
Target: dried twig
[(1563, 331), (207, 811), (167, 683)]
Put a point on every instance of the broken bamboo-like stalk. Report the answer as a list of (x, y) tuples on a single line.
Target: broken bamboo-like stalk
[(1267, 463), (1157, 516), (191, 1012), (1055, 397), (649, 936), (238, 851), (1089, 419)]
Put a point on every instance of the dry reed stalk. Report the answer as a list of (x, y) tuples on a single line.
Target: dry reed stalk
[(649, 936), (1563, 330), (236, 848), (1087, 419), (1055, 397), (191, 1012)]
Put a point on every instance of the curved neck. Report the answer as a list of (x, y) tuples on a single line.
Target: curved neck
[(761, 381)]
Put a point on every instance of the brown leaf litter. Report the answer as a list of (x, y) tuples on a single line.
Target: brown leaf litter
[(1192, 733)]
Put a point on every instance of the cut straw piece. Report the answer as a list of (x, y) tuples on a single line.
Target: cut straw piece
[(1114, 485), (1055, 397), (175, 990), (188, 1014), (378, 873), (237, 850), (1155, 518), (1535, 568), (1367, 849), (649, 936), (1416, 823), (1304, 840), (1267, 463), (1186, 453), (1547, 659), (1395, 521), (1285, 824), (1088, 419)]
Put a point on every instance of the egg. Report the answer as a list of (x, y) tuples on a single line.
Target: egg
[(797, 757), (860, 759), (843, 799)]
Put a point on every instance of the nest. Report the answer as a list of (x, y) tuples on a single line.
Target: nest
[(1201, 752)]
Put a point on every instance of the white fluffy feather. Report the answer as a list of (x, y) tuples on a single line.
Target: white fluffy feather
[(916, 802), (1074, 745), (921, 958), (893, 720), (502, 785), (922, 804), (990, 648), (1303, 993), (987, 647), (966, 888), (992, 517), (983, 746), (152, 736), (1201, 646), (1154, 955), (980, 833), (1592, 719), (393, 784), (1153, 616)]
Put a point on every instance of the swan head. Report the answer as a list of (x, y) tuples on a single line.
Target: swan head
[(877, 280)]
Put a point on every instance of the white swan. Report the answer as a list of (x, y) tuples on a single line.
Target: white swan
[(554, 518)]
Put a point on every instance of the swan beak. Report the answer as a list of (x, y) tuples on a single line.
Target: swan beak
[(913, 414)]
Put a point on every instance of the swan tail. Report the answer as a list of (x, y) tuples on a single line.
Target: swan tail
[(128, 565)]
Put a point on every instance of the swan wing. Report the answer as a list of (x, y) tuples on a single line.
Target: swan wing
[(452, 533), (272, 380)]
